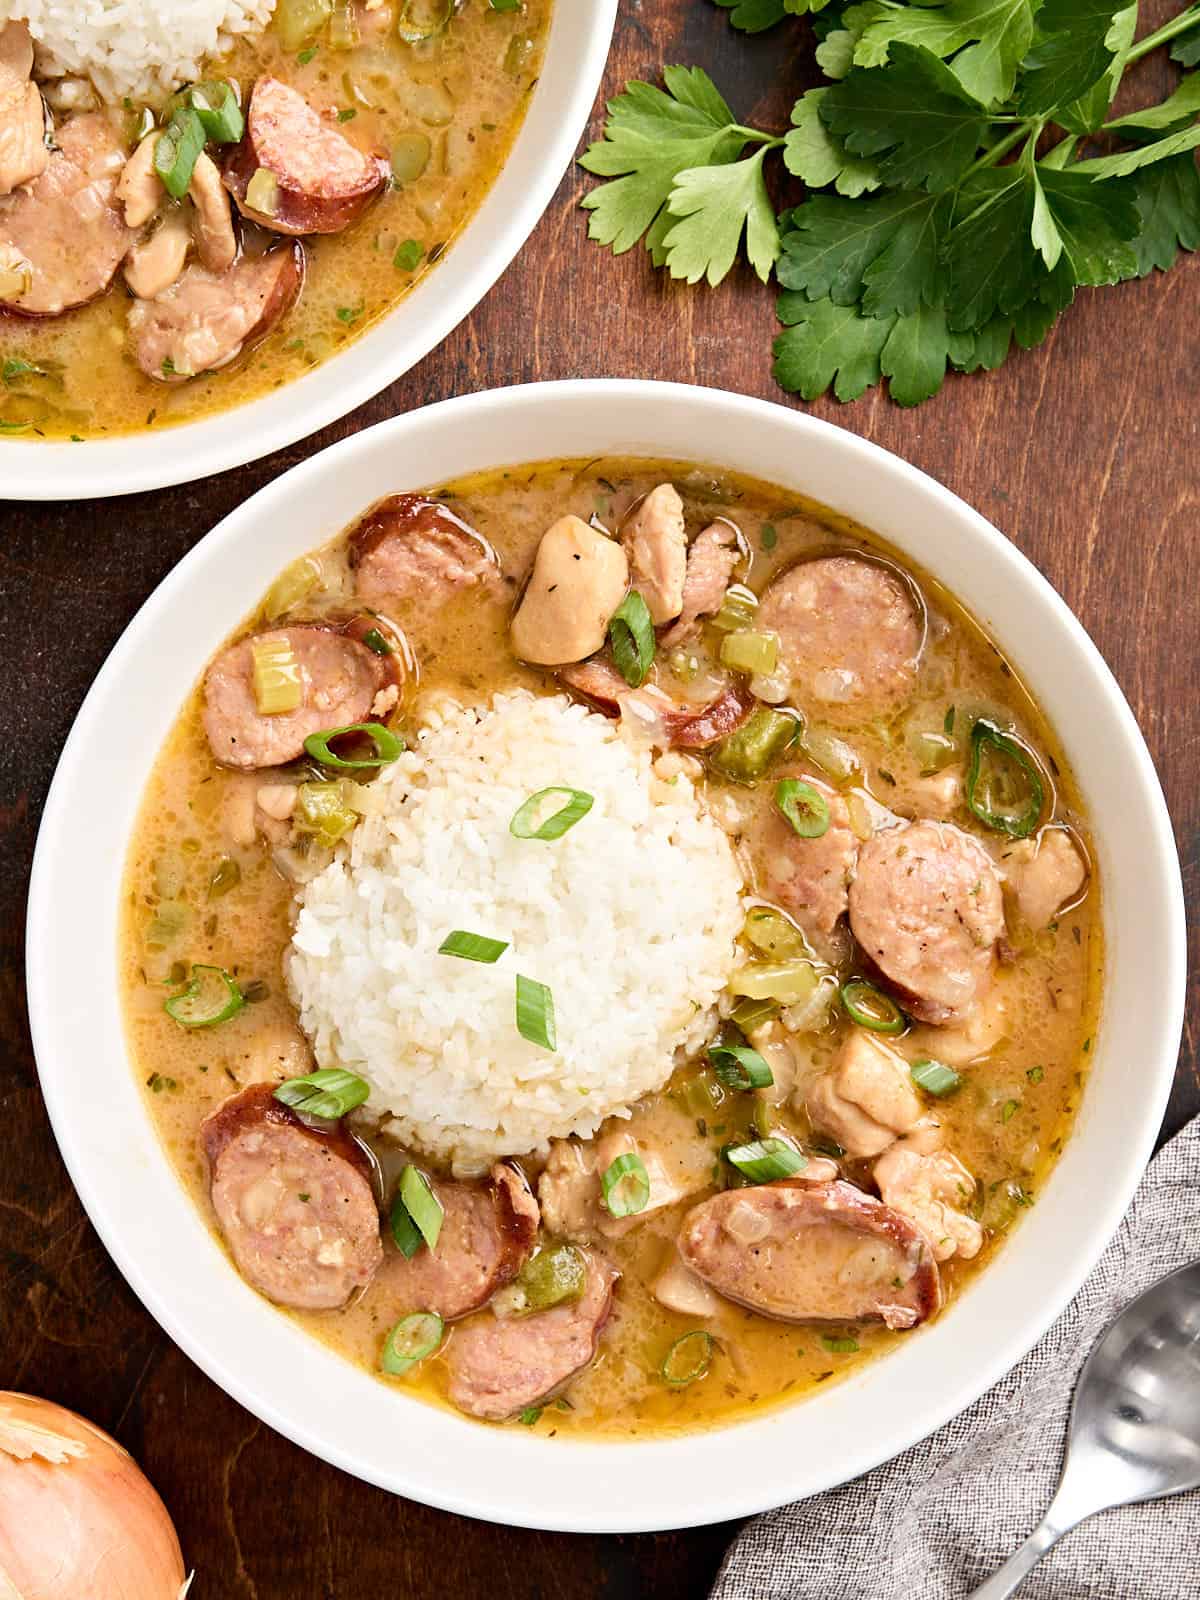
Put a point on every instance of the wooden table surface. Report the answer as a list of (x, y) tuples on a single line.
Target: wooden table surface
[(1083, 452)]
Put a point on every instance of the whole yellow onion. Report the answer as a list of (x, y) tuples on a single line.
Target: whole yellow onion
[(77, 1515)]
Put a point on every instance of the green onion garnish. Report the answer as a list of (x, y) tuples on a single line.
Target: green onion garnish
[(626, 1186), (871, 1008), (216, 105), (1004, 788), (935, 1078), (211, 997), (328, 1093), (631, 632), (472, 947), (530, 1416), (412, 1339), (688, 1358), (422, 1205), (374, 640), (387, 746), (405, 1234), (177, 151), (805, 809), (740, 1067), (525, 824), (766, 1160), (535, 1013)]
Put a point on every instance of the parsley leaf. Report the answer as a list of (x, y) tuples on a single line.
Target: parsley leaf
[(1177, 109), (914, 357), (1126, 162), (1187, 51), (1085, 114), (912, 113), (1078, 42), (884, 250), (714, 204), (828, 344), (1168, 204), (652, 137), (1084, 223), (814, 154), (756, 16), (997, 34)]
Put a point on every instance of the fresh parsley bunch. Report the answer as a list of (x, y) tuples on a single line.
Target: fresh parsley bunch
[(952, 209)]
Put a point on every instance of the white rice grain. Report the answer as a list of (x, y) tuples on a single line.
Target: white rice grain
[(630, 919)]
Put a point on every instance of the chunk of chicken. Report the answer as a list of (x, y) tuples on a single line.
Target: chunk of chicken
[(579, 579), (931, 1190), (139, 188), (1044, 874), (656, 544), (867, 1099), (212, 220), (570, 1192), (711, 560), (24, 153), (154, 264), (679, 1289), (984, 1026)]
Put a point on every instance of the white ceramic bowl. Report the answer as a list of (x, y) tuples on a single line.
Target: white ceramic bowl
[(576, 52), (511, 1475)]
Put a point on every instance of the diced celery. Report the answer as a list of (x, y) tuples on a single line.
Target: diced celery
[(278, 686), (294, 583), (329, 811), (555, 1276), (343, 26), (169, 922), (789, 982), (832, 755), (771, 934), (410, 156), (262, 193), (751, 652), (296, 21), (737, 610)]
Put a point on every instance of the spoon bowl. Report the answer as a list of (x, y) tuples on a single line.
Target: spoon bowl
[(1135, 1420)]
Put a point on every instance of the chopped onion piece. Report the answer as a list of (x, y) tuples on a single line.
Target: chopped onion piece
[(262, 193)]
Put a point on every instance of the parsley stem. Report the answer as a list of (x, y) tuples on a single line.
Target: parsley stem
[(1003, 146), (771, 140), (1187, 18)]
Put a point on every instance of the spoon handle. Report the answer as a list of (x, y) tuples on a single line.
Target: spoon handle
[(1008, 1580)]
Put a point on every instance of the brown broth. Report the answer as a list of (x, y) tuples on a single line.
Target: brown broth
[(466, 93), (1007, 1123)]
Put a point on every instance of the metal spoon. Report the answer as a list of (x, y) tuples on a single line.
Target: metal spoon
[(1135, 1420)]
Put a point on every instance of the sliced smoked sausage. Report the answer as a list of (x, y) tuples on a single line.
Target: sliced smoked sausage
[(413, 549), (488, 1230), (323, 180), (813, 1252), (204, 320), (685, 727), (65, 233), (850, 634), (343, 682), (810, 877), (296, 1206), (926, 906), (500, 1366)]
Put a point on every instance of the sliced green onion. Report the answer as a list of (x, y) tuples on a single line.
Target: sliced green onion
[(805, 809), (405, 1234), (472, 947), (438, 16), (750, 1014), (387, 745), (505, 5), (262, 192), (413, 1339), (278, 684), (790, 982), (374, 640), (535, 1013), (738, 609), (871, 1008), (755, 653), (525, 824), (631, 632), (935, 1078), (216, 105), (211, 997), (766, 1160), (330, 1093), (744, 756), (688, 1359), (178, 149), (626, 1186), (530, 1416), (328, 810), (556, 1275), (422, 1205), (740, 1067), (1004, 787)]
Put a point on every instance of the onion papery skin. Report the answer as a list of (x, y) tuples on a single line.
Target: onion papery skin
[(78, 1517)]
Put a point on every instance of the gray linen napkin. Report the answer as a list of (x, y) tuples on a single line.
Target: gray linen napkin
[(939, 1519)]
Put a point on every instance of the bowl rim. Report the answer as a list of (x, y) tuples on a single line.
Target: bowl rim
[(480, 253), (568, 1476)]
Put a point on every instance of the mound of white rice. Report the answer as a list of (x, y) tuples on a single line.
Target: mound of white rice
[(143, 49), (629, 918)]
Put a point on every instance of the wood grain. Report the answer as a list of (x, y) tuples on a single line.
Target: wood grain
[(1082, 452)]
